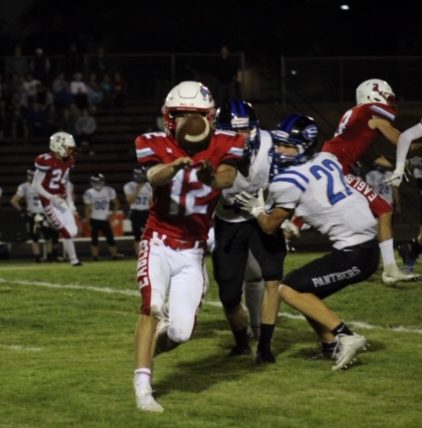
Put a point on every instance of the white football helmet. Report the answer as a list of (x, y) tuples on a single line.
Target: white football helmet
[(61, 142), (97, 181), (375, 91), (187, 96)]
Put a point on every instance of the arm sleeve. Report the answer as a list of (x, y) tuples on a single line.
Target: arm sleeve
[(37, 184), (405, 140)]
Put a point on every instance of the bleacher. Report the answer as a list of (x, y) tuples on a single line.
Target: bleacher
[(113, 144)]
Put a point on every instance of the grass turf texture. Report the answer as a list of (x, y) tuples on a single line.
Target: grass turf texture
[(66, 358)]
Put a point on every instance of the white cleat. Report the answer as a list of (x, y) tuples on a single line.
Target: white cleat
[(397, 275), (348, 346), (146, 402)]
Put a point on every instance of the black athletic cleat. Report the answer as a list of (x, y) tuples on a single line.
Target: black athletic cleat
[(264, 356), (408, 255), (238, 350)]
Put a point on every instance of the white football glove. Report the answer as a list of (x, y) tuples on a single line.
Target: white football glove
[(397, 177), (290, 228), (254, 205)]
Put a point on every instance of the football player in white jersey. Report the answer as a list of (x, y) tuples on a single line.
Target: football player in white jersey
[(138, 193), (33, 212), (378, 177), (238, 238), (315, 188), (409, 251), (97, 201)]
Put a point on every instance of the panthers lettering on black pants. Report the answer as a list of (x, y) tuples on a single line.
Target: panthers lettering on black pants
[(336, 270)]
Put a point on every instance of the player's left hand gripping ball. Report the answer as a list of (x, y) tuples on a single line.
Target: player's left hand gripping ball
[(193, 133)]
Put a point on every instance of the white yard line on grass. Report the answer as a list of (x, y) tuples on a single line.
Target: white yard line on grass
[(110, 290), (20, 348)]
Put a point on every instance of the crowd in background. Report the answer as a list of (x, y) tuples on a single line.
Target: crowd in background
[(38, 98)]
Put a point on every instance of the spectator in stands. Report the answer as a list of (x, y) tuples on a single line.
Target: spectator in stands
[(61, 91), (43, 95), (33, 214), (119, 89), (107, 89), (79, 90), (99, 64), (138, 194), (74, 61), (52, 119), (226, 73), (97, 201), (85, 128), (30, 85), (18, 121), (2, 87), (40, 66), (3, 119), (17, 64), (95, 95), (36, 120), (68, 119)]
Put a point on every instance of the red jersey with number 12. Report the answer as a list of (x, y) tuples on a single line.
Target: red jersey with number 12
[(183, 208), (354, 137)]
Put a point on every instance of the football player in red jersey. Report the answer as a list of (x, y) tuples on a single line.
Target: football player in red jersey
[(51, 182), (187, 180), (357, 131)]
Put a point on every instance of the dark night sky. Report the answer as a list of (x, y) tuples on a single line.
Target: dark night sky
[(292, 28)]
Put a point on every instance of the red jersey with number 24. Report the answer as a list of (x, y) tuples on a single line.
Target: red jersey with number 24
[(184, 207), (57, 173), (354, 137)]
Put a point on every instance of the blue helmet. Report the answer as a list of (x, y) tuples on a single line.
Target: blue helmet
[(295, 130), (239, 115)]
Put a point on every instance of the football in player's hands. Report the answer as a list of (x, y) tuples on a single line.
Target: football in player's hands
[(193, 133)]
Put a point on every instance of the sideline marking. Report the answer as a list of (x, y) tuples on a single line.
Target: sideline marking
[(109, 290)]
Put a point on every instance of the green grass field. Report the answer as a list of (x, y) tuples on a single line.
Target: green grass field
[(66, 358)]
